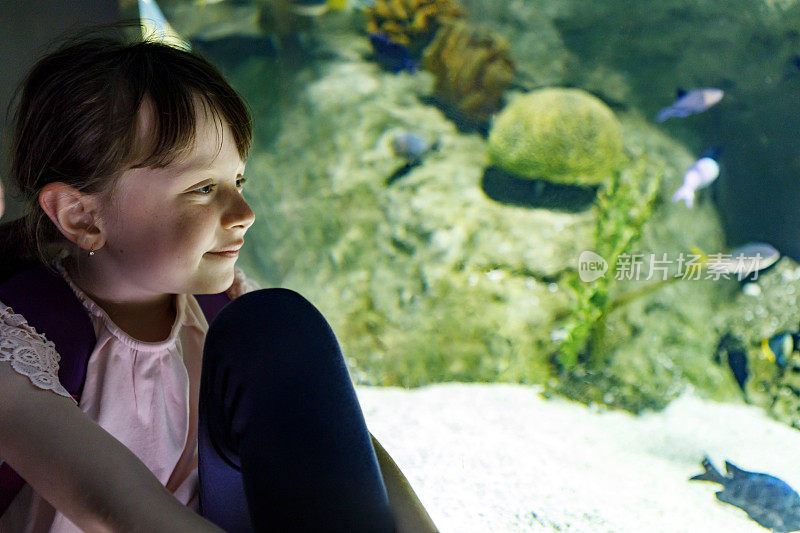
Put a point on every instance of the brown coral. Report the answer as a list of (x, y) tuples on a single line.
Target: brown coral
[(412, 23), (472, 69)]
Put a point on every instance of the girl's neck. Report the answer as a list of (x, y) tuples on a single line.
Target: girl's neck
[(147, 320)]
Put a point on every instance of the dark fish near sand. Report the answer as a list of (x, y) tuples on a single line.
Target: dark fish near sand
[(689, 103), (766, 499)]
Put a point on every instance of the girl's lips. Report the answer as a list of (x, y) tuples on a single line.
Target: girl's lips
[(226, 254)]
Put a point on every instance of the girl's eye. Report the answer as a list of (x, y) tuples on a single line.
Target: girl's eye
[(212, 186)]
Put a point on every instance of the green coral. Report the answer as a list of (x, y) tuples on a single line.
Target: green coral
[(622, 210), (561, 135)]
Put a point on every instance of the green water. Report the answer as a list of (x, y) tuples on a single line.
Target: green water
[(452, 269)]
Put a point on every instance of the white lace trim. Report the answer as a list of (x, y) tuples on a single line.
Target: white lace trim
[(29, 352)]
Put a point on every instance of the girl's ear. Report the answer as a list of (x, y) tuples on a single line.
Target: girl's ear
[(74, 213)]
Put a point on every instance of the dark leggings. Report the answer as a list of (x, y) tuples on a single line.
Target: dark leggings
[(283, 445)]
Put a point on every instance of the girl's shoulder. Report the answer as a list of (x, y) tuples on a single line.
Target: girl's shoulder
[(29, 352), (241, 284)]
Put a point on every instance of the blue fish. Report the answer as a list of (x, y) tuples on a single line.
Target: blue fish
[(393, 56), (766, 499), (689, 103)]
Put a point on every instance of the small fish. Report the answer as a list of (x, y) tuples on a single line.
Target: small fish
[(752, 257), (701, 174), (734, 352), (315, 8), (689, 103), (411, 146), (395, 57), (766, 499), (745, 261), (780, 347)]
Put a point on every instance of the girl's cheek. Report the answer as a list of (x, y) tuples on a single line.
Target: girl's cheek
[(190, 224)]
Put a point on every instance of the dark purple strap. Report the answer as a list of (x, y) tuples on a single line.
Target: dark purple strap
[(211, 304), (49, 305)]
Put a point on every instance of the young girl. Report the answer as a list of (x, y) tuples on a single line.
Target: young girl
[(131, 157)]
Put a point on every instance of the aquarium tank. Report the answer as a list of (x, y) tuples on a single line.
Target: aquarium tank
[(580, 216)]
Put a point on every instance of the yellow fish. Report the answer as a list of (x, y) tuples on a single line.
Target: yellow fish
[(311, 8), (704, 260)]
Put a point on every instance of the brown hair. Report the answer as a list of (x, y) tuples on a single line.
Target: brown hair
[(77, 123)]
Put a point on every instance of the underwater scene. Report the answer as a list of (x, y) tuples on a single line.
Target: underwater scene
[(590, 205)]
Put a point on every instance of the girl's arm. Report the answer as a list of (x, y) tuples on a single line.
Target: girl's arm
[(83, 471), (408, 512)]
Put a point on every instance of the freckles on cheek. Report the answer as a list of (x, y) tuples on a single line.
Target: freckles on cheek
[(187, 228)]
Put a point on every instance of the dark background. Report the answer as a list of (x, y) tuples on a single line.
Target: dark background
[(27, 27)]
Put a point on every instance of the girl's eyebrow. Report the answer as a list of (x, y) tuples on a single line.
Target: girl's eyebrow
[(187, 168)]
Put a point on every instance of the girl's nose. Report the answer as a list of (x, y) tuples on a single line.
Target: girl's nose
[(239, 212)]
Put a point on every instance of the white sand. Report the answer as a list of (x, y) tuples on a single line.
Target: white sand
[(501, 458)]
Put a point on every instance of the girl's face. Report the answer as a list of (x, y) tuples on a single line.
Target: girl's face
[(167, 221)]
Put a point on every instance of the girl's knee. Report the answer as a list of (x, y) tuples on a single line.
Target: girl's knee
[(272, 326)]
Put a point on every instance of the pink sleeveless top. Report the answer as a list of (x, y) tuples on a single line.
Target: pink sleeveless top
[(145, 394)]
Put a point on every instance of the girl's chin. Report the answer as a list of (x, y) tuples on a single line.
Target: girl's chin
[(214, 282)]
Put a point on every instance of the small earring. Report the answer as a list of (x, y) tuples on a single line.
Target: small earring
[(91, 250)]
